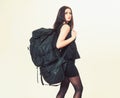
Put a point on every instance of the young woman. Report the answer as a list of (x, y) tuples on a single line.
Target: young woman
[(66, 43)]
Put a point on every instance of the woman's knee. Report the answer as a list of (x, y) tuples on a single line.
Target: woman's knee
[(78, 88), (77, 84)]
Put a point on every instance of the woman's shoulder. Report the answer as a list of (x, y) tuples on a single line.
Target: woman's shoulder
[(65, 27)]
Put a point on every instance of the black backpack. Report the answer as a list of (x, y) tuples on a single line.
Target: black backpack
[(46, 56)]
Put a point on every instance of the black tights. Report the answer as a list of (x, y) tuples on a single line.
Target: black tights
[(76, 82)]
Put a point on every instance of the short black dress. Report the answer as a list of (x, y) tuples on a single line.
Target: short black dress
[(70, 54)]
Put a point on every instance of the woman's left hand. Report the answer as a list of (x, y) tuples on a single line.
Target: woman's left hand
[(74, 33)]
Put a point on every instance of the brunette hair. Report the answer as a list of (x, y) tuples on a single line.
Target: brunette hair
[(61, 18)]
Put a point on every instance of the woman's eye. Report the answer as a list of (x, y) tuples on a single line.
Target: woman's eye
[(68, 13), (65, 12)]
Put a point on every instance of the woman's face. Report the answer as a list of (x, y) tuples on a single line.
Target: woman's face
[(68, 14)]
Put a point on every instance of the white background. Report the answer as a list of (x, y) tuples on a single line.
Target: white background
[(98, 25)]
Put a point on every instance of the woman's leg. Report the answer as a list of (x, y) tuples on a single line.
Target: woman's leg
[(63, 88), (78, 87)]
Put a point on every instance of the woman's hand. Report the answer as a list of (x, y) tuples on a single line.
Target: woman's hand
[(74, 34)]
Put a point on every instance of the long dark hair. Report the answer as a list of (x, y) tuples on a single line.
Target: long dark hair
[(61, 18)]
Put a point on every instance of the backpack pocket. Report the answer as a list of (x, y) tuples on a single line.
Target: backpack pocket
[(54, 73)]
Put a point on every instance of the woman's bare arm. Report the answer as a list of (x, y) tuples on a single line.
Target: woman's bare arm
[(61, 41)]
